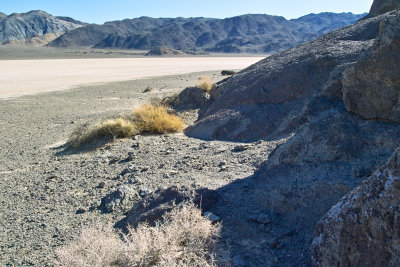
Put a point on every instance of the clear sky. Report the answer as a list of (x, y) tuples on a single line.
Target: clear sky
[(99, 11)]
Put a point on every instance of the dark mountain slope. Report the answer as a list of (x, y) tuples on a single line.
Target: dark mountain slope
[(247, 33), (28, 25), (2, 15)]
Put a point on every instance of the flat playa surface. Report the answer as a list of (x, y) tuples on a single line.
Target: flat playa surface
[(22, 77)]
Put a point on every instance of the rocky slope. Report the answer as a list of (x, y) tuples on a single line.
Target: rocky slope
[(318, 95), (247, 33), (32, 24), (362, 229)]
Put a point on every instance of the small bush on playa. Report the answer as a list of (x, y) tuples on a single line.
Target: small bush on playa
[(185, 238), (205, 84), (156, 119), (108, 129)]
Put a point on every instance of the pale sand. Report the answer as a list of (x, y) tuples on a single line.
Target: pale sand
[(22, 77)]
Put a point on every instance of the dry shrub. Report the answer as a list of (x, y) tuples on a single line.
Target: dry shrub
[(98, 245), (185, 238), (156, 119), (108, 129), (205, 84)]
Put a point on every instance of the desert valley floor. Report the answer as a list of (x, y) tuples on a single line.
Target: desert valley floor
[(48, 194)]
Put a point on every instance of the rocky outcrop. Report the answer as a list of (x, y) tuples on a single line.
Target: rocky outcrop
[(371, 88), (32, 24), (190, 98), (329, 150), (277, 95), (380, 7), (363, 228), (165, 51), (247, 33)]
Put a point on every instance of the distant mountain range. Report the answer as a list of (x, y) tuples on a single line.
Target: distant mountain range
[(33, 24), (246, 33)]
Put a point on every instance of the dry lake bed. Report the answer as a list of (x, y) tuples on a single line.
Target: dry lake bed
[(21, 77)]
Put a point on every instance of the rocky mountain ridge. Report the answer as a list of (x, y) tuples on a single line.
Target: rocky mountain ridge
[(31, 24), (246, 33)]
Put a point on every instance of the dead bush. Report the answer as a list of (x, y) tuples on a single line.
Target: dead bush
[(108, 129), (205, 84), (184, 238)]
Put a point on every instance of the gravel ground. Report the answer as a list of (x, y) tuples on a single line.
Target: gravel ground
[(48, 194)]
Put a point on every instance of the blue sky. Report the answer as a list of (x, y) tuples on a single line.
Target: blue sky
[(99, 11)]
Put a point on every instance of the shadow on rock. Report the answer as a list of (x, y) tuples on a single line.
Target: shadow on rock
[(152, 207)]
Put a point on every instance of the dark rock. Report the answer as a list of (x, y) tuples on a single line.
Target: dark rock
[(240, 148), (152, 207), (190, 98), (363, 228), (80, 211), (228, 72)]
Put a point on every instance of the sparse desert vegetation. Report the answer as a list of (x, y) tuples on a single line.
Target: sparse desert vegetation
[(184, 238), (109, 129), (205, 84), (156, 119), (148, 118)]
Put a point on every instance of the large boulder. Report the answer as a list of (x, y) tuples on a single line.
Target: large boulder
[(383, 6), (371, 88), (363, 228)]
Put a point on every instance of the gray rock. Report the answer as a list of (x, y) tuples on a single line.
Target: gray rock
[(211, 216), (121, 197), (371, 88), (363, 228)]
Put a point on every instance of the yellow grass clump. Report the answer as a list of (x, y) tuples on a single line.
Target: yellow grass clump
[(108, 129), (205, 84), (185, 238), (156, 119)]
